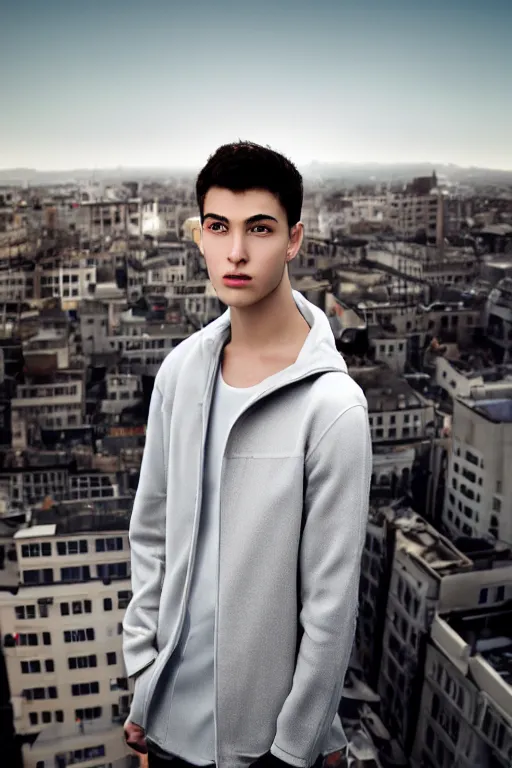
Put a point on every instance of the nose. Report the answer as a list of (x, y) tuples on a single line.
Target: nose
[(238, 252)]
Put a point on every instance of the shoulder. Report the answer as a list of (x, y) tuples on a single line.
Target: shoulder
[(336, 391), (173, 362), (335, 399)]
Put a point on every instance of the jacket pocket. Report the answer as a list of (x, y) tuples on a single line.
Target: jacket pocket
[(140, 694)]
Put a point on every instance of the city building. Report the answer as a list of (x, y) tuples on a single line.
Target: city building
[(61, 637), (479, 483)]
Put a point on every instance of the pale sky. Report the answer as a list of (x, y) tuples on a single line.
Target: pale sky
[(104, 83)]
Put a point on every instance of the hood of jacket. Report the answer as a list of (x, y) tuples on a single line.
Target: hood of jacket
[(318, 351)]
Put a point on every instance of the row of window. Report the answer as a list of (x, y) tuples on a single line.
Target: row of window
[(70, 636), (75, 608), (74, 573), (55, 391), (379, 420), (74, 546), (36, 666)]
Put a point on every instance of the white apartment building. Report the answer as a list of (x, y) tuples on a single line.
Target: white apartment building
[(396, 411), (388, 349), (465, 718), (109, 218), (356, 209), (55, 405), (16, 285), (196, 298), (166, 269), (70, 282), (61, 634), (456, 378), (410, 214), (479, 483), (421, 560), (498, 317), (144, 354), (391, 468), (94, 327), (426, 262), (123, 391)]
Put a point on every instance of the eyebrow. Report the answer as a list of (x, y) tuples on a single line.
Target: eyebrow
[(250, 220)]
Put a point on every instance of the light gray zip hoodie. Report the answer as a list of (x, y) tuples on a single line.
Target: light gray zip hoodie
[(294, 505)]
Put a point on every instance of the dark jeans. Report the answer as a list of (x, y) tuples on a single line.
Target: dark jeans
[(155, 761)]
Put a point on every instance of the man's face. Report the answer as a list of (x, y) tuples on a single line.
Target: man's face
[(246, 233)]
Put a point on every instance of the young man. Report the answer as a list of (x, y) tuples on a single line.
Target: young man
[(250, 515)]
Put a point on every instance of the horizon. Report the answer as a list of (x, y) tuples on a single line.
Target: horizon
[(108, 84), (193, 169)]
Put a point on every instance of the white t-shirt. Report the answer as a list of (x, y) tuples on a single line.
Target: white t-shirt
[(189, 694)]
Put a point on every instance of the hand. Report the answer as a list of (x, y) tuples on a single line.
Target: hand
[(135, 737)]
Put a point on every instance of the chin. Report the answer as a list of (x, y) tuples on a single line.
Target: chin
[(237, 298)]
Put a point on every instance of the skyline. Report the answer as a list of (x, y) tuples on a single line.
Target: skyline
[(112, 84)]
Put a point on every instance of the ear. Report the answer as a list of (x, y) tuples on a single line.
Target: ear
[(295, 241), (197, 234)]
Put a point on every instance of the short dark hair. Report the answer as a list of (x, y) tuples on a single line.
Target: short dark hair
[(242, 166)]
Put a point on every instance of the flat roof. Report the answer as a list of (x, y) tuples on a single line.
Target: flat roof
[(36, 531), (499, 411)]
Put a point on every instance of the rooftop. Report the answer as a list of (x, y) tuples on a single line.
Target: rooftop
[(483, 648), (384, 390), (499, 411), (422, 542)]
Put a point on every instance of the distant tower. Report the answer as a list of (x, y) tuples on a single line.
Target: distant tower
[(440, 233)]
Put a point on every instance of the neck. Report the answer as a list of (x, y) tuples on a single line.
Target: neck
[(274, 320)]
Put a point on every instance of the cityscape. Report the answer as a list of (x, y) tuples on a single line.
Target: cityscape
[(99, 280), (398, 115)]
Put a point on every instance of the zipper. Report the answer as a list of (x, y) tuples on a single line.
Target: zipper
[(247, 406)]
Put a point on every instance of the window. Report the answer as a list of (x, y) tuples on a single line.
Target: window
[(30, 667), (89, 713), (82, 662), (75, 573), (33, 718), (109, 545), (123, 599), (113, 570), (36, 550), (59, 716), (25, 611), (111, 658), (46, 717), (36, 694), (77, 607), (78, 635), (107, 604), (483, 595), (472, 458), (75, 547), (47, 638), (29, 638), (85, 689), (500, 594), (38, 576)]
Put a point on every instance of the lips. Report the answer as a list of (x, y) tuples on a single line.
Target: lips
[(236, 277)]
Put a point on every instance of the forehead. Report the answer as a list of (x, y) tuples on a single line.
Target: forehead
[(238, 206)]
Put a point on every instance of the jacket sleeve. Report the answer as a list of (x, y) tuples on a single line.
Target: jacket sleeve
[(338, 472), (147, 544)]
